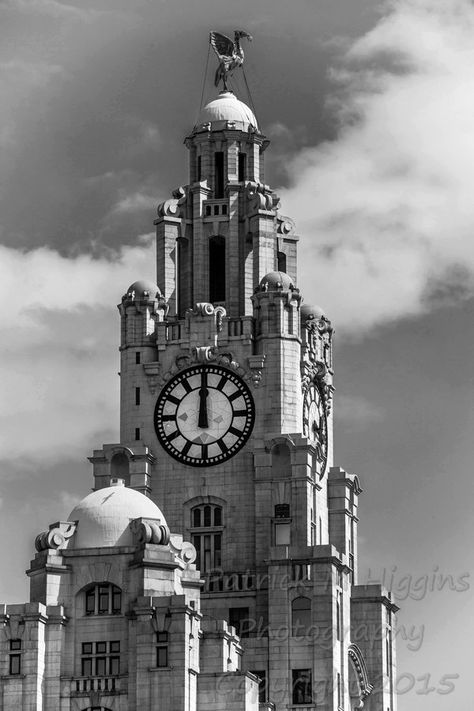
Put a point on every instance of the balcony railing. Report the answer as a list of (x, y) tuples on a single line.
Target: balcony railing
[(105, 684)]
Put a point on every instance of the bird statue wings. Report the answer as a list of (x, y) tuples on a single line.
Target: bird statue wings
[(229, 53)]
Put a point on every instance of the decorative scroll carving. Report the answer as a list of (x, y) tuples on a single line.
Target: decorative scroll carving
[(317, 372), (57, 536), (173, 207), (285, 225), (205, 309), (148, 530), (183, 549), (204, 354)]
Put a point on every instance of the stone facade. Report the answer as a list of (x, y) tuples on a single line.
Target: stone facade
[(261, 608)]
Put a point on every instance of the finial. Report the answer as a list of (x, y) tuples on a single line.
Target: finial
[(230, 54)]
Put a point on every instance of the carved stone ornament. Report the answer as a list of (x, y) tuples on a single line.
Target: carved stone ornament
[(285, 225), (365, 687), (261, 197), (153, 374), (57, 536), (205, 309), (183, 549), (148, 530), (173, 207), (317, 372), (211, 354)]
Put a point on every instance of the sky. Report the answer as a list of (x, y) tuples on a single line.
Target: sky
[(369, 106)]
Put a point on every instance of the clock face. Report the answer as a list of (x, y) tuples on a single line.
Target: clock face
[(204, 415), (315, 423)]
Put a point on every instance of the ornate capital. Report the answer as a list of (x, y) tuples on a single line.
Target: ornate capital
[(173, 206), (148, 530)]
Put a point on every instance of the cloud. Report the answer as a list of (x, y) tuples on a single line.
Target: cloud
[(385, 209), (357, 412), (60, 337)]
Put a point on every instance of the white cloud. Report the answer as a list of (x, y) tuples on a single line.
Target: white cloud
[(60, 337), (386, 210)]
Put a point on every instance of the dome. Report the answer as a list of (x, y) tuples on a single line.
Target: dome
[(276, 280), (138, 289), (227, 107), (103, 517), (309, 311)]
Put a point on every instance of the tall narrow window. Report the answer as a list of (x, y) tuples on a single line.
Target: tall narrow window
[(302, 686), (162, 644), (15, 657), (216, 269), (198, 168), (218, 174), (206, 531), (137, 433), (137, 396), (300, 616), (281, 259), (137, 357), (242, 167)]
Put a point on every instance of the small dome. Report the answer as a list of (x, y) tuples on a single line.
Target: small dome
[(103, 517), (274, 281), (311, 312), (227, 107), (143, 290)]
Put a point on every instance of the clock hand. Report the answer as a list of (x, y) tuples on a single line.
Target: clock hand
[(203, 393)]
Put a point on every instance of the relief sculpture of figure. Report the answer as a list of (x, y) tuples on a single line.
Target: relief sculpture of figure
[(230, 54)]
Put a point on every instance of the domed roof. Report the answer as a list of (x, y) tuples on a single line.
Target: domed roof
[(103, 517), (274, 281), (310, 311), (227, 107), (143, 289)]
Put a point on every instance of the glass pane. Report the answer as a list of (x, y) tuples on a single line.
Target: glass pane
[(196, 522), (282, 534), (90, 602), (86, 669), (15, 663), (114, 666), (207, 515), (162, 636), (100, 666), (116, 601), (87, 647), (115, 646), (101, 647), (103, 601), (162, 656), (302, 693), (15, 644), (218, 516)]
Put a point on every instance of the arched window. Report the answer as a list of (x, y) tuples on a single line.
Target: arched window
[(119, 466), (103, 599), (217, 274), (206, 533), (300, 616)]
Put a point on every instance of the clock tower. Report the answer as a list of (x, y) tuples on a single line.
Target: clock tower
[(227, 424)]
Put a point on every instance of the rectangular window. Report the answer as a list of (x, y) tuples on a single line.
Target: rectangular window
[(242, 166), (239, 618), (137, 396), (138, 358), (100, 659), (15, 659), (302, 692), (103, 599), (162, 649), (218, 174), (198, 172), (90, 602), (137, 433)]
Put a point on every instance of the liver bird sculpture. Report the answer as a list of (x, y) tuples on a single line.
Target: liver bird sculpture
[(230, 54)]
